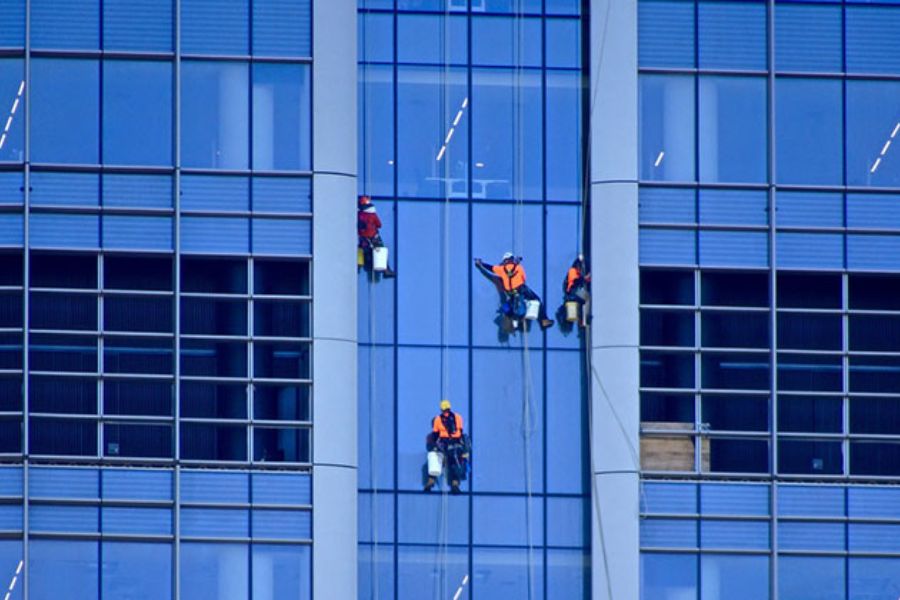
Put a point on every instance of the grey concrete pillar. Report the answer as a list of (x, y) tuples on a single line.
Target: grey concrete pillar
[(334, 300), (614, 346)]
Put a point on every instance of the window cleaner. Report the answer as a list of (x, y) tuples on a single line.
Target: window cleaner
[(576, 292), (520, 300), (370, 248), (448, 446)]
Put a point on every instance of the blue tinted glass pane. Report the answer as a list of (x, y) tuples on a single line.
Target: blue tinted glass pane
[(509, 6), (11, 230), (568, 521), (667, 128), (137, 113), (810, 209), (137, 191), (665, 33), (732, 35), (376, 37), (566, 434), (724, 499), (375, 517), (873, 252), (873, 39), (668, 576), (64, 569), (205, 486), (564, 238), (811, 536), (873, 577), (417, 511), (282, 572), (77, 519), (132, 569), (65, 189), (137, 25), (669, 498), (65, 110), (810, 250), (734, 207), (506, 41), (282, 195), (12, 104), (876, 211), (811, 577), (375, 568), (562, 7), (568, 574), (667, 205), (65, 24), (137, 232), (873, 537), (734, 577), (282, 28), (667, 247), (504, 521), (215, 105), (563, 135), (282, 237), (873, 126), (64, 231), (12, 23), (506, 144), (10, 560), (430, 39), (732, 129), (811, 501), (210, 234), (281, 117), (141, 441), (215, 27), (218, 571), (734, 248), (215, 522), (563, 43), (431, 161), (376, 128), (377, 468), (808, 134), (215, 193), (668, 533), (416, 568), (753, 535), (808, 38), (511, 573)]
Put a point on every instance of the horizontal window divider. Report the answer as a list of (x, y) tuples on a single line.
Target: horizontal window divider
[(874, 437), (702, 476), (251, 58), (212, 338), (808, 352), (811, 436), (704, 185), (67, 291), (116, 334), (813, 311), (284, 464), (216, 296), (136, 419), (294, 216), (700, 71), (298, 216), (285, 507), (244, 172), (11, 288), (120, 293), (653, 516), (100, 54), (247, 506), (287, 424), (696, 550), (64, 417), (281, 297), (215, 421), (248, 540), (270, 338), (702, 226), (136, 537), (281, 380)]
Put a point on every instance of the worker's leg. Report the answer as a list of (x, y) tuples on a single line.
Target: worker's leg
[(529, 294)]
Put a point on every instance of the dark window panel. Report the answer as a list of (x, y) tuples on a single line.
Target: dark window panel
[(735, 330), (735, 371), (667, 328), (667, 370), (875, 333), (280, 444), (734, 288), (210, 316), (200, 399), (281, 403), (738, 456), (802, 457), (64, 438), (137, 441), (11, 268), (11, 394), (282, 277), (138, 355), (805, 414), (78, 271), (667, 287), (11, 351), (874, 292), (281, 361), (63, 395), (10, 436), (145, 398), (133, 272), (809, 372), (63, 353), (875, 415), (216, 276), (11, 309), (735, 413), (63, 311), (281, 319), (799, 331), (874, 458), (138, 313), (214, 359), (879, 374), (204, 441), (808, 290)]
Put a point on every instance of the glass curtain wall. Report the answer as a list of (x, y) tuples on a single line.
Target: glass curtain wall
[(769, 188), (155, 242), (471, 145)]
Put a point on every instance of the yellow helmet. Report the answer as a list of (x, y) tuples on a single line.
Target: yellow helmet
[(445, 404)]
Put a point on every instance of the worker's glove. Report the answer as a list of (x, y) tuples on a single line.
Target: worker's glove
[(478, 261)]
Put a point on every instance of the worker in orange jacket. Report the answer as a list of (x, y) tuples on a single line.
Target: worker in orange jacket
[(576, 287), (510, 275), (447, 438)]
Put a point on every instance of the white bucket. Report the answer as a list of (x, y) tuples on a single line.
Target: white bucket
[(379, 258), (533, 308), (435, 463), (571, 311)]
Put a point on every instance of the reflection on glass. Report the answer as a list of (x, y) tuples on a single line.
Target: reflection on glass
[(563, 131), (732, 129), (214, 106), (281, 117), (873, 133), (667, 128), (137, 112), (12, 113), (808, 123), (376, 126)]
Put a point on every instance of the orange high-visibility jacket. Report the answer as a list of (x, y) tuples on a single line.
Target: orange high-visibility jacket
[(573, 275), (441, 430), (512, 277)]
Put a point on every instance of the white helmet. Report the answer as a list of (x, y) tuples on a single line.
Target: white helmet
[(507, 256)]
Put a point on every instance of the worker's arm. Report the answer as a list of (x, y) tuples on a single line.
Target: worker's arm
[(486, 270)]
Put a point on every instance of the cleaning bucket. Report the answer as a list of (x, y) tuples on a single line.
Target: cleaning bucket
[(435, 463), (533, 309), (379, 258), (571, 311)]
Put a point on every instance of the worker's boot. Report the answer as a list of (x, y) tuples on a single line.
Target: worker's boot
[(454, 487), (545, 323), (430, 484), (389, 273)]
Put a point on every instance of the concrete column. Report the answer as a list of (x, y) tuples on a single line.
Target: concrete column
[(334, 300), (614, 346)]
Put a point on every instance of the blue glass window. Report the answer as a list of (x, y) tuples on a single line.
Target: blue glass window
[(137, 113), (122, 232), (870, 577), (431, 39), (215, 27), (732, 129), (734, 207), (215, 104), (563, 43), (142, 25), (65, 110), (514, 573), (211, 234), (376, 127), (12, 23), (12, 109), (64, 569), (562, 7), (215, 193), (808, 38), (282, 28), (666, 33), (376, 37), (732, 35), (136, 569), (811, 577), (873, 39), (282, 572), (668, 576), (734, 577), (414, 571), (59, 24), (563, 136), (873, 133), (809, 125), (137, 191), (667, 127), (809, 209), (205, 441), (503, 41), (218, 571), (281, 117), (282, 195)]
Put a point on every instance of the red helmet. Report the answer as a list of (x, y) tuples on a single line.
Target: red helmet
[(364, 201)]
